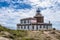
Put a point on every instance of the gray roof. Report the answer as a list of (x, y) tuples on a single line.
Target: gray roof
[(29, 18)]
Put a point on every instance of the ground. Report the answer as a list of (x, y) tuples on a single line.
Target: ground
[(35, 35), (7, 34), (44, 35)]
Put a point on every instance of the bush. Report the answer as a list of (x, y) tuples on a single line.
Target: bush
[(54, 29)]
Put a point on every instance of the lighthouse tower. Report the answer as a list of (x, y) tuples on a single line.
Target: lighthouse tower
[(39, 17)]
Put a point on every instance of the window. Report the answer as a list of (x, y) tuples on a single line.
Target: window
[(40, 26), (44, 26), (21, 27), (24, 21), (27, 21), (47, 27), (32, 27), (37, 27), (28, 27), (24, 27)]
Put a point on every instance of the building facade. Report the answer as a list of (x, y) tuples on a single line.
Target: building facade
[(35, 23)]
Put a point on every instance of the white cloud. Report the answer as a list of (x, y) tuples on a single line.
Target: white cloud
[(9, 16), (44, 3)]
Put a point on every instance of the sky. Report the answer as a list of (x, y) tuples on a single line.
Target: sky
[(11, 11)]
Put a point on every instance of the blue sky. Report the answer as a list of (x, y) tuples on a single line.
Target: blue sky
[(11, 11)]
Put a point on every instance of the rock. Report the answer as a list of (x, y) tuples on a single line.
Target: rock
[(2, 38)]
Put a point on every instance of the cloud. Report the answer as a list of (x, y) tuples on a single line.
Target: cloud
[(8, 16), (11, 17), (11, 11), (14, 4)]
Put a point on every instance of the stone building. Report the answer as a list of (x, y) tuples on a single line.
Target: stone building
[(35, 23)]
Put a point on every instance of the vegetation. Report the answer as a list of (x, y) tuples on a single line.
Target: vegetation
[(29, 35), (3, 28), (12, 33)]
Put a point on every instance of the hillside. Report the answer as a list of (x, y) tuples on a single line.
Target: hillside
[(11, 34), (7, 34)]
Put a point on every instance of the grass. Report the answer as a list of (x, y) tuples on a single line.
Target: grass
[(25, 35), (13, 33)]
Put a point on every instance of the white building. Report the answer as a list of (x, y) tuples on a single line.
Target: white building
[(35, 23)]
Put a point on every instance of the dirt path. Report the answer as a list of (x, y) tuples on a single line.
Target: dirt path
[(53, 38), (33, 34), (45, 35), (57, 33)]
